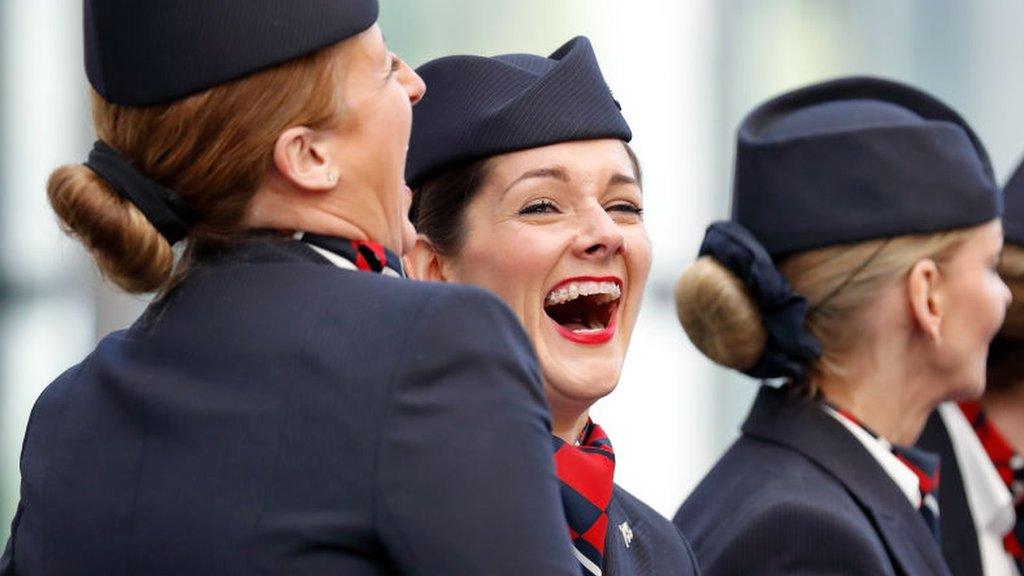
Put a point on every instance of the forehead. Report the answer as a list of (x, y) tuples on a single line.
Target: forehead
[(580, 160), (364, 48), (983, 240)]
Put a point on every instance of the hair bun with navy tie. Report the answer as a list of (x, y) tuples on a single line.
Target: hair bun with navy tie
[(145, 52), (476, 107), (789, 346), (163, 207)]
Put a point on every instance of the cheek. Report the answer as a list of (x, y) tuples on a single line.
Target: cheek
[(638, 265), (512, 264), (998, 300), (638, 256), (983, 308)]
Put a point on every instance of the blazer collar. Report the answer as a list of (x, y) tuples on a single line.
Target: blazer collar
[(262, 248), (782, 416)]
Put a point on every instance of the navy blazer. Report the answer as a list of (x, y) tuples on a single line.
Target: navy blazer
[(959, 536), (275, 414), (798, 494), (641, 542)]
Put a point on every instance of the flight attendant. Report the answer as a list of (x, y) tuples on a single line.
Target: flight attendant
[(287, 404), (859, 269), (981, 441), (525, 185)]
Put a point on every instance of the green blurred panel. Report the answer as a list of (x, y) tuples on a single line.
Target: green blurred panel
[(419, 31)]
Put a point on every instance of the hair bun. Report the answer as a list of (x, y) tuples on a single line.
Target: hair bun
[(128, 249), (719, 315)]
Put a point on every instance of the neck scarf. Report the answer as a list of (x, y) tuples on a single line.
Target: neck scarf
[(585, 473), (1010, 466), (367, 256), (924, 465)]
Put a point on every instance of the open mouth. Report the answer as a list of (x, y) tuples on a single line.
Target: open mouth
[(583, 309)]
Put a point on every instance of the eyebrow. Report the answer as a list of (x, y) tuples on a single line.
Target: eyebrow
[(620, 178), (556, 172), (561, 174)]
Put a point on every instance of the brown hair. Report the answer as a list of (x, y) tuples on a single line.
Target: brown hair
[(839, 282), (1006, 355), (440, 201), (213, 148)]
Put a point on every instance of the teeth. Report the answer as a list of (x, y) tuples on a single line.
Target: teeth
[(572, 291)]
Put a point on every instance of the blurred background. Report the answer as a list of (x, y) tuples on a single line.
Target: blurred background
[(685, 71)]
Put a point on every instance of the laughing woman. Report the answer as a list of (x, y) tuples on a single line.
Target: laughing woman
[(524, 185), (860, 268)]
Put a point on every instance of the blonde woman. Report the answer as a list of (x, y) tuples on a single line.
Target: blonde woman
[(287, 405), (859, 267)]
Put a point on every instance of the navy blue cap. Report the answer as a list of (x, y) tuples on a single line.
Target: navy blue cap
[(145, 52), (855, 159), (1013, 215), (476, 107)]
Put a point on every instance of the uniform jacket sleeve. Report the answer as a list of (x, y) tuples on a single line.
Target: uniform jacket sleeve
[(465, 477), (6, 561)]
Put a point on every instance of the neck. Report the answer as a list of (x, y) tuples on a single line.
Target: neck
[(892, 403), (568, 427), (1005, 407), (280, 208)]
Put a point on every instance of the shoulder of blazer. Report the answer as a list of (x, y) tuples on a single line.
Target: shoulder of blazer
[(766, 509), (782, 417)]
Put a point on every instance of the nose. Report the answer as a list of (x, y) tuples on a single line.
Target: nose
[(599, 237), (413, 84)]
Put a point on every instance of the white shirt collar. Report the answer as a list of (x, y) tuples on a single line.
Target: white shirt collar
[(991, 502), (881, 450)]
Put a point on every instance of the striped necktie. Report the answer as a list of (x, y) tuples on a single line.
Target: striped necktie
[(923, 464), (1010, 466), (585, 474)]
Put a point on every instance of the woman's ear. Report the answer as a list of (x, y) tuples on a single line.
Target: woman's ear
[(927, 298), (302, 159), (423, 262)]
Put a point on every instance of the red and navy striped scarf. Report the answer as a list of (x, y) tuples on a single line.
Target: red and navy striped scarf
[(923, 464), (1010, 465), (585, 474), (367, 256)]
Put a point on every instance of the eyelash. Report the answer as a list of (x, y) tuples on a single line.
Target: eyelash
[(395, 65), (545, 207), (629, 208), (542, 207)]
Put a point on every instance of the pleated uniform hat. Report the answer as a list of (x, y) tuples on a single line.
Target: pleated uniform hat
[(476, 107), (146, 52)]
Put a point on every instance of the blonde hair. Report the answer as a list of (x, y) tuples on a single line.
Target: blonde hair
[(213, 148), (839, 282)]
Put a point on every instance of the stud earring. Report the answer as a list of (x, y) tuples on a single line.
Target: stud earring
[(331, 177)]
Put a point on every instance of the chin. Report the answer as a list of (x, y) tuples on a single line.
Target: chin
[(583, 382), (971, 386)]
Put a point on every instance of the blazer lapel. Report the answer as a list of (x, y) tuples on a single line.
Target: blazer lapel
[(783, 417), (959, 537)]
